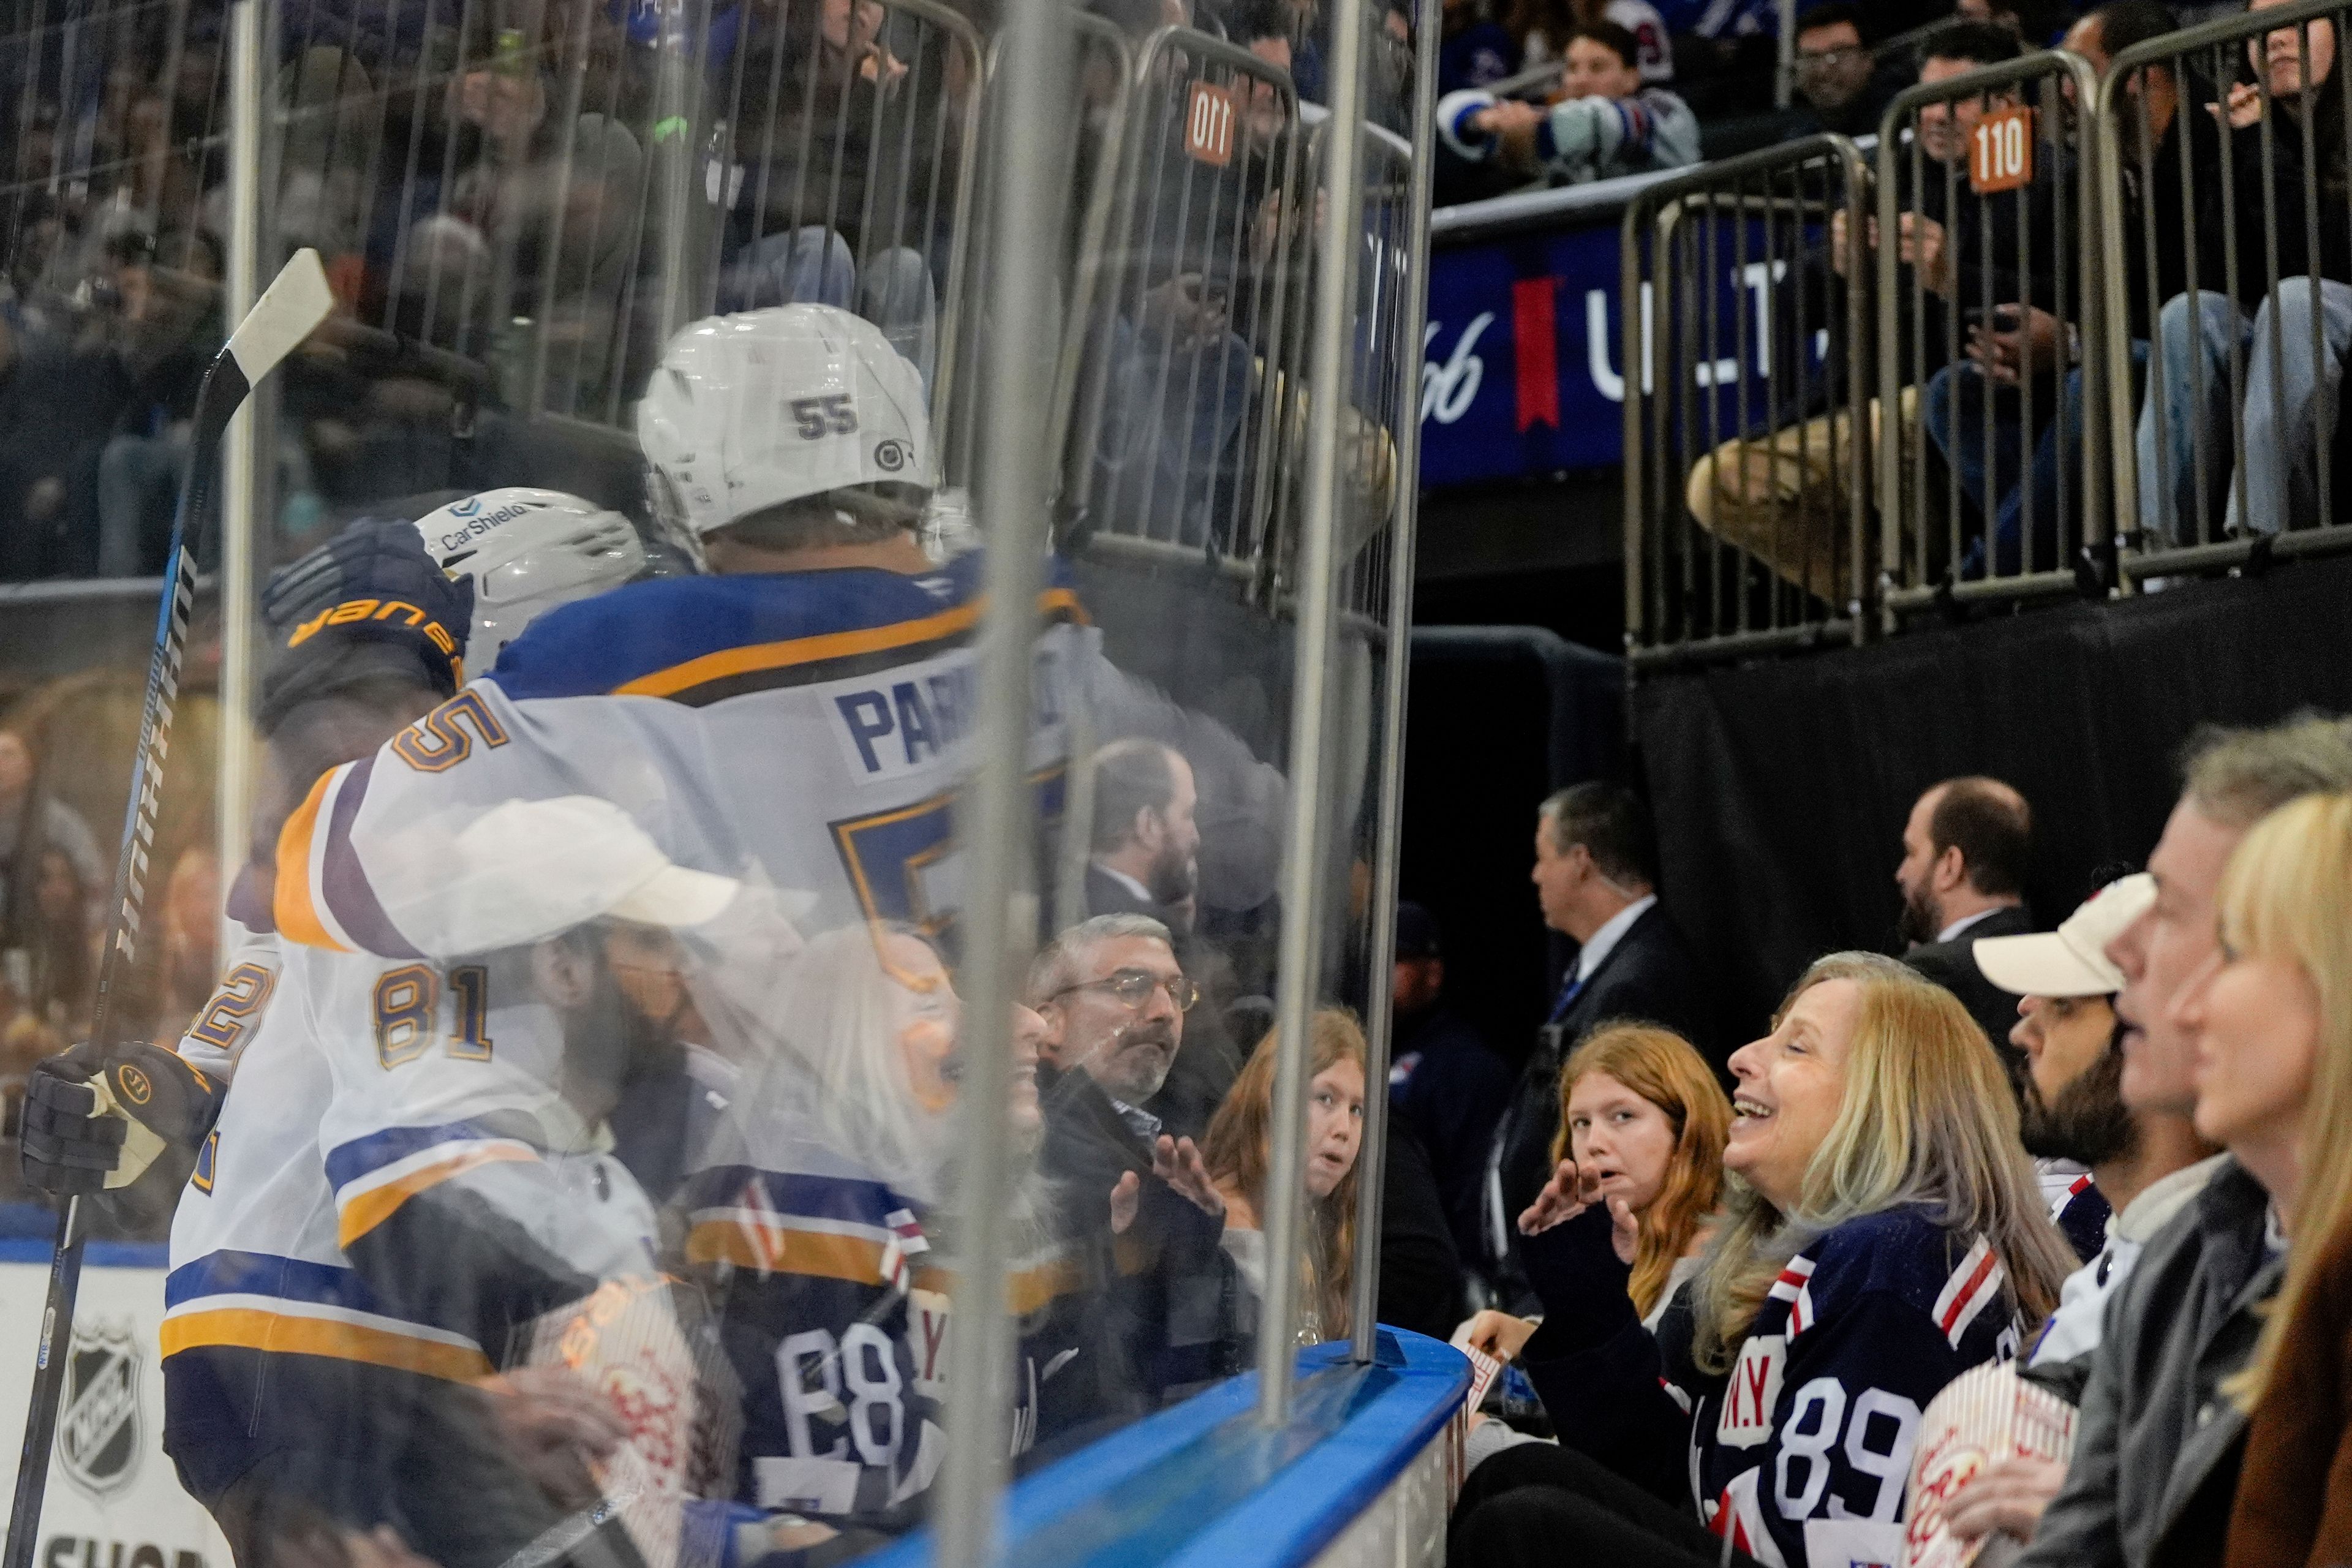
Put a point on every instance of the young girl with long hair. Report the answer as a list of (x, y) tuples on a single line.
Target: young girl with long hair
[(1238, 1151), (1641, 1110)]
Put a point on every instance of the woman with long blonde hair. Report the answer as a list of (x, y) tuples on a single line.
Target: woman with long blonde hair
[(2272, 1018), (1883, 1232), (1238, 1153), (1640, 1110)]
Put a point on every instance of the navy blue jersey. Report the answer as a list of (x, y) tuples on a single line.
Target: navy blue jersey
[(1452, 1089), (2081, 1212), (1480, 53), (1799, 1456), (835, 1325), (832, 1308)]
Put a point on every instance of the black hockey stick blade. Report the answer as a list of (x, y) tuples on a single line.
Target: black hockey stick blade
[(288, 311)]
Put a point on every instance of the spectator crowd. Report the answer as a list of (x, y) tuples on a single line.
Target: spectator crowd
[(2105, 1156), (483, 194), (488, 191), (55, 878), (2233, 255), (1591, 89), (1728, 1278)]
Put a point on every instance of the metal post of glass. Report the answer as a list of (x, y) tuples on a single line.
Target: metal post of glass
[(1363, 1308), (994, 821), (677, 152), (1784, 76), (241, 477), (1301, 954)]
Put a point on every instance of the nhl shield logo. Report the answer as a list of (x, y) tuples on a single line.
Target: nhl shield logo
[(98, 1430)]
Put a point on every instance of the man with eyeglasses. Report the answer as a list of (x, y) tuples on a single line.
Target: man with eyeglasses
[(1836, 69), (1114, 999)]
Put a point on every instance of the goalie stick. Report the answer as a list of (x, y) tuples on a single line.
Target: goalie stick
[(288, 311)]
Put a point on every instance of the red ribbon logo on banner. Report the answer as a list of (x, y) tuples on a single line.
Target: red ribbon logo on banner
[(1535, 339)]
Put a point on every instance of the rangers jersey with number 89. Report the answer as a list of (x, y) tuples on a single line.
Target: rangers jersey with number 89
[(1800, 1454)]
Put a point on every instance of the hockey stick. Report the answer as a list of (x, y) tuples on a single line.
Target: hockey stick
[(290, 308)]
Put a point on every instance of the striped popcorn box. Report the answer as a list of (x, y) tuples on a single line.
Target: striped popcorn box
[(1986, 1413)]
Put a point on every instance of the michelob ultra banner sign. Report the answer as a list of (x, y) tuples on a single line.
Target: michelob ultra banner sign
[(1522, 369)]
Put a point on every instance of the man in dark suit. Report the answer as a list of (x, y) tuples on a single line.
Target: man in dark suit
[(1596, 878), (1144, 858), (1963, 877)]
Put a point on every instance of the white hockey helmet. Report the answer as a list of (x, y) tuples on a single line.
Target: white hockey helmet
[(528, 550), (749, 411)]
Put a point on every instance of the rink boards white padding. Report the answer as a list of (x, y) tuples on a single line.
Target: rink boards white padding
[(1361, 1475), (114, 1500)]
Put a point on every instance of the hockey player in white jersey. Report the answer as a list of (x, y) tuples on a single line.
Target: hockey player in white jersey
[(297, 1398), (469, 1181), (796, 719)]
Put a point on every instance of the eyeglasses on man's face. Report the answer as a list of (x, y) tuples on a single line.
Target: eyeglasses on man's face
[(1134, 987)]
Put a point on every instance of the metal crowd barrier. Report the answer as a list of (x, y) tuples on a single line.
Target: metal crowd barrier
[(1090, 159), (521, 213), (2157, 266), (1986, 193), (1382, 363), (2227, 302), (1747, 464), (1173, 385)]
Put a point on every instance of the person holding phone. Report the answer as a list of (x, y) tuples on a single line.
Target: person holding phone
[(2026, 361)]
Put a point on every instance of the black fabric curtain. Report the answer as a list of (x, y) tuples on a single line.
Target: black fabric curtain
[(1499, 718), (1781, 788)]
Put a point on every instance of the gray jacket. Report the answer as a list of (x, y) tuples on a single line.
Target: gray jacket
[(1587, 139), (2157, 1446)]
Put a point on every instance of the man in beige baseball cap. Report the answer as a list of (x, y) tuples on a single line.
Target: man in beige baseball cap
[(2099, 1157), (2071, 961), (2072, 1112)]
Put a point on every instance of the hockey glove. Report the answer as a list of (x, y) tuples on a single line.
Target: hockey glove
[(98, 1116), (369, 603)]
